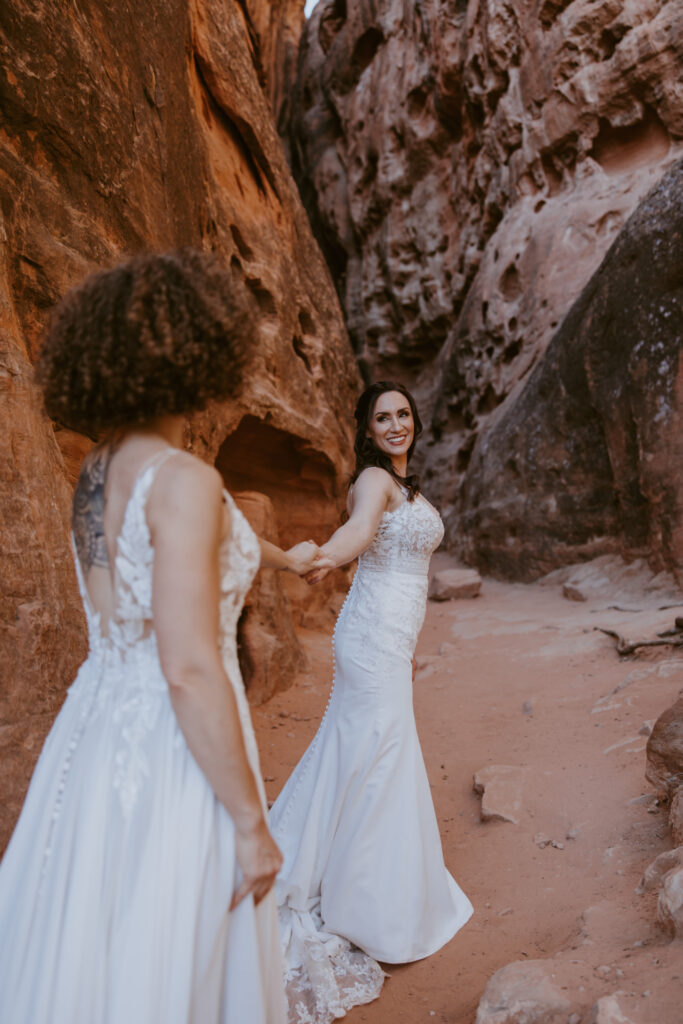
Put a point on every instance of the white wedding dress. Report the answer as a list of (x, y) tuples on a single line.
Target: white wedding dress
[(363, 878), (115, 888)]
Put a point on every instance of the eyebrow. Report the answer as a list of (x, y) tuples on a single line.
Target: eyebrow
[(385, 412)]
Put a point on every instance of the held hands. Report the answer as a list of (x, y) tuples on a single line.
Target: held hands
[(260, 860), (306, 557)]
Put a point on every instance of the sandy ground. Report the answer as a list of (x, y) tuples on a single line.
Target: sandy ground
[(519, 676)]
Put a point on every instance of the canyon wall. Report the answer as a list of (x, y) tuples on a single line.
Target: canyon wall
[(132, 127), (466, 165)]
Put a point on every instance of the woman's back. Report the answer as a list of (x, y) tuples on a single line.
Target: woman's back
[(110, 506), (116, 889)]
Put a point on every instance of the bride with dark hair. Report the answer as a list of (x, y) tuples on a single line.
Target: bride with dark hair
[(363, 878)]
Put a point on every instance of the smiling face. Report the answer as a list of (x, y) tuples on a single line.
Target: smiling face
[(391, 427)]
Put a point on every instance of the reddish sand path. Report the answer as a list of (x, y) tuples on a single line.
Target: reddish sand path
[(513, 677)]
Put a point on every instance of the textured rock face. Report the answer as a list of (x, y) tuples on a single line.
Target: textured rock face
[(129, 127), (274, 36), (588, 454), (269, 652), (466, 166)]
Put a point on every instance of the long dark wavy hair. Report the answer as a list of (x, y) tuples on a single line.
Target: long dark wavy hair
[(367, 454)]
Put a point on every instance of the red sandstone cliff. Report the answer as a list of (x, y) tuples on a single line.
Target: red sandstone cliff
[(129, 127)]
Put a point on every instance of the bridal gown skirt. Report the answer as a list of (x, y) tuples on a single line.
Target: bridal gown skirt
[(115, 889), (355, 821)]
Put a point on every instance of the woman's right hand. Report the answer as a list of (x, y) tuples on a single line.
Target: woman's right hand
[(260, 860)]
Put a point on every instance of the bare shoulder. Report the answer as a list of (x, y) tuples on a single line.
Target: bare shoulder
[(374, 478), (186, 489), (371, 492)]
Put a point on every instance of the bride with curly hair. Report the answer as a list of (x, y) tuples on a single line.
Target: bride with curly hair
[(137, 885)]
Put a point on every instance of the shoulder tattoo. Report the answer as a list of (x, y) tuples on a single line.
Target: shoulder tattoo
[(87, 519)]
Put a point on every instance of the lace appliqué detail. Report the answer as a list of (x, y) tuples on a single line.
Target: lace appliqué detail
[(326, 975), (405, 539)]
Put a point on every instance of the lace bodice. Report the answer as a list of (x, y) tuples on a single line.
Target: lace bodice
[(122, 672), (134, 564), (405, 539)]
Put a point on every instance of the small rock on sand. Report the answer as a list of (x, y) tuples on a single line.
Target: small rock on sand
[(608, 1011), (454, 583), (523, 991), (500, 789)]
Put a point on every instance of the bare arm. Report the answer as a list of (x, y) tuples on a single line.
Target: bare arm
[(187, 518), (298, 559), (371, 496)]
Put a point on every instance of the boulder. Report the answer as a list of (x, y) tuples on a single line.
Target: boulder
[(665, 751), (524, 992), (670, 904), (270, 654), (449, 584), (583, 459), (654, 873), (676, 816), (500, 788), (608, 1011)]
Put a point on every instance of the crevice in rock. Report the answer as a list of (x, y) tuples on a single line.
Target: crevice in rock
[(264, 298), (239, 131), (298, 479), (365, 49), (332, 21), (244, 250), (550, 11), (300, 349), (619, 149), (254, 45)]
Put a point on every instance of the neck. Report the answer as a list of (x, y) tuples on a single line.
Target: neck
[(170, 428), (400, 464)]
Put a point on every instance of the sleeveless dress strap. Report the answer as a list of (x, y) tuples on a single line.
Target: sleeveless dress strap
[(145, 478)]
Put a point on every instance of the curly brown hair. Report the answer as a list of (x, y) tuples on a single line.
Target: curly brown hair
[(159, 334)]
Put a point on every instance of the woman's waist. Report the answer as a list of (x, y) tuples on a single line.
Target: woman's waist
[(119, 671), (405, 565)]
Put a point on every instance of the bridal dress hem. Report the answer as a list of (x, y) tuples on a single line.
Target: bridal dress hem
[(116, 886), (363, 880)]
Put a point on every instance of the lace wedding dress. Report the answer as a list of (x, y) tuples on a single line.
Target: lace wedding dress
[(363, 878), (115, 888)]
